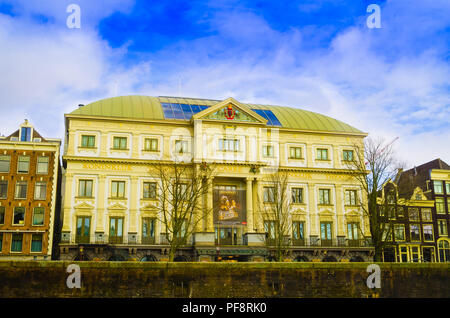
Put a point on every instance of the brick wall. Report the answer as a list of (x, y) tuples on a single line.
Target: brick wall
[(139, 279)]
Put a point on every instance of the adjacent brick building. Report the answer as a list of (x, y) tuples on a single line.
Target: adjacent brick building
[(29, 183)]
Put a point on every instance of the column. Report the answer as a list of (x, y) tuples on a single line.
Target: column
[(67, 204), (101, 192), (209, 207), (257, 221), (340, 210), (312, 211), (249, 200), (133, 198)]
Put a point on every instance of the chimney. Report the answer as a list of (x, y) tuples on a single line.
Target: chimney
[(80, 105)]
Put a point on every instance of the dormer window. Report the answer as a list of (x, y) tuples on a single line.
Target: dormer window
[(25, 134)]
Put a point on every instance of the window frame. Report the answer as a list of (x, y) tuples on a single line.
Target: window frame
[(229, 145), (183, 148), (321, 200), (399, 226), (441, 186), (120, 145), (19, 163), (39, 184), (345, 153), (295, 196), (85, 181), (294, 149), (2, 183), (8, 163), (151, 141), (14, 216), (440, 205), (2, 212), (348, 198), (442, 227), (13, 240), (321, 151), (432, 232), (269, 194), (419, 230), (118, 182), (150, 183), (88, 138), (21, 183), (33, 240), (34, 215), (39, 164)]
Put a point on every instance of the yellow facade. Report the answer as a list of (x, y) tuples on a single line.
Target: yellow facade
[(245, 168)]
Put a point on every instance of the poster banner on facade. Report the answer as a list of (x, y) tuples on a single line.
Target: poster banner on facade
[(229, 207)]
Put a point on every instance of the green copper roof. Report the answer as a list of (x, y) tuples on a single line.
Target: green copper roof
[(149, 108)]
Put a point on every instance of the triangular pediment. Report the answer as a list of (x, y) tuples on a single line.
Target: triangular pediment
[(230, 110), (83, 205), (117, 206)]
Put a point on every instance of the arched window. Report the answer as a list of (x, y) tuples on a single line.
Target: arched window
[(444, 250)]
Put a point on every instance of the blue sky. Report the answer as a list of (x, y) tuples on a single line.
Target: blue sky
[(317, 55)]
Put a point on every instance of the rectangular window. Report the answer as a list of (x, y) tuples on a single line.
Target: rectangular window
[(116, 230), (23, 164), (413, 214), (181, 146), (297, 195), (322, 154), (87, 141), (447, 187), (387, 233), (228, 144), (83, 229), (352, 229), (3, 189), (268, 151), (325, 232), (428, 232), (120, 143), (2, 215), (40, 190), (151, 144), (295, 153), (21, 189), (399, 232), (269, 194), (118, 189), (347, 155), (85, 188), (438, 187), (16, 242), (42, 165), (350, 197), (1, 242), (324, 196), (181, 191), (426, 215), (442, 227), (298, 231), (19, 215), (148, 231), (414, 232), (149, 190), (269, 228), (36, 243), (4, 163), (38, 216), (25, 134), (440, 205)]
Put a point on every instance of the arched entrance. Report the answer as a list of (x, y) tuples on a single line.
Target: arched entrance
[(149, 258), (180, 258), (356, 259), (329, 259), (301, 259)]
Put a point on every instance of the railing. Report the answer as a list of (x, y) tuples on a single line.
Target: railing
[(162, 240), (106, 239), (309, 242)]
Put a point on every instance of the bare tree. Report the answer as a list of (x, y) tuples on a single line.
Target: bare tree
[(372, 167), (275, 208), (182, 187)]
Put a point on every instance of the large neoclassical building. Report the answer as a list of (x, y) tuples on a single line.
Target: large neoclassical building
[(109, 190)]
